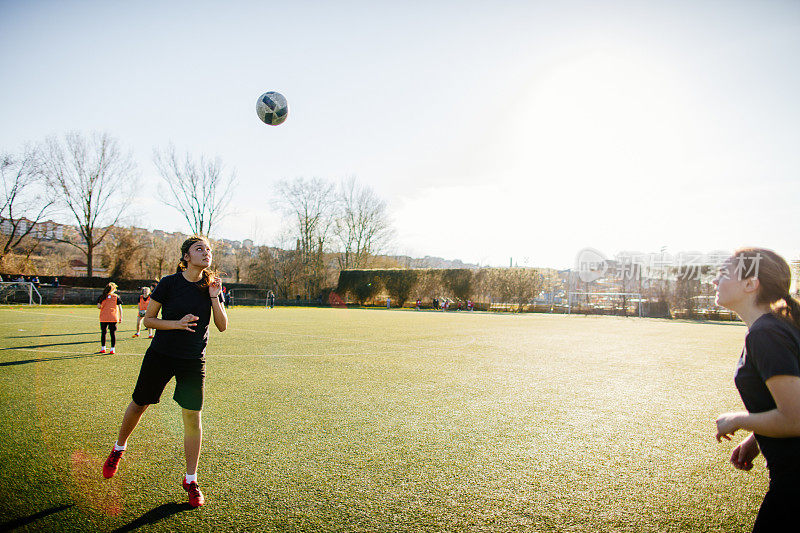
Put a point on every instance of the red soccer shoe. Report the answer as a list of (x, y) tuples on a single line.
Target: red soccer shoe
[(112, 463), (196, 498)]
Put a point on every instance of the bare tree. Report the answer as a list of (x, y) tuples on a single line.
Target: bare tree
[(310, 204), (276, 269), (551, 284), (93, 179), (162, 256), (122, 250), (233, 262), (22, 204), (362, 225), (200, 190), (242, 257)]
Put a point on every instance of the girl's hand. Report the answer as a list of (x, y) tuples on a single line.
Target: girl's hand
[(215, 287), (727, 424), (743, 455), (187, 323)]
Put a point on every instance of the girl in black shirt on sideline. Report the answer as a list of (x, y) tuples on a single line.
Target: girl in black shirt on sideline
[(187, 300), (754, 283)]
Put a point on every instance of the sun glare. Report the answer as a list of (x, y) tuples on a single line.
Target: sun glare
[(604, 116)]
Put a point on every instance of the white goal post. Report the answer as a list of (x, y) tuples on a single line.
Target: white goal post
[(632, 296), (15, 292)]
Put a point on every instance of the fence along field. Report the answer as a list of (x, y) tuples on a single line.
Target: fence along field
[(363, 420)]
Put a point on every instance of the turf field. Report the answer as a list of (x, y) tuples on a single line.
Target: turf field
[(376, 420)]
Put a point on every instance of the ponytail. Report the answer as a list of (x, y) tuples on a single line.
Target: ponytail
[(790, 311), (111, 287), (774, 278), (208, 277)]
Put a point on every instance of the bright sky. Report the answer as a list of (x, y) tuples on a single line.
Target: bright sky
[(524, 129)]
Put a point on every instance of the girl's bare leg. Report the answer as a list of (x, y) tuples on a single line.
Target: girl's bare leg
[(132, 416), (192, 437)]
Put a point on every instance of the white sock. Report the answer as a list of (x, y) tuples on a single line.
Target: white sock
[(102, 347), (191, 478), (117, 447)]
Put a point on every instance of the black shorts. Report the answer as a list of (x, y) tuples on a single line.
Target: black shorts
[(157, 369), (779, 507)]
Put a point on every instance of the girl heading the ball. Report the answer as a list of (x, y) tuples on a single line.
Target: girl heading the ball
[(188, 300), (754, 283)]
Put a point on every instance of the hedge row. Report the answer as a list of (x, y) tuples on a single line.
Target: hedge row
[(399, 284)]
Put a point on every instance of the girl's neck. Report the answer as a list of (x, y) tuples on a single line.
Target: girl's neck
[(193, 273), (752, 313)]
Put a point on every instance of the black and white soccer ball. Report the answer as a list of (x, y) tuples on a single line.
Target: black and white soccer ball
[(272, 108)]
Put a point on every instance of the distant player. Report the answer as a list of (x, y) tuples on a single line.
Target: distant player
[(144, 300), (188, 301), (754, 283), (110, 307)]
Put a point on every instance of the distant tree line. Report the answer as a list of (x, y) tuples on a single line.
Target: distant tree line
[(518, 286), (328, 228), (90, 180)]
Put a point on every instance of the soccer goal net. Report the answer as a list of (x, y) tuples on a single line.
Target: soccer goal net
[(19, 292), (605, 303)]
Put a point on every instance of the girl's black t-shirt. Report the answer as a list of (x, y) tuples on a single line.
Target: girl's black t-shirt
[(771, 348), (179, 297)]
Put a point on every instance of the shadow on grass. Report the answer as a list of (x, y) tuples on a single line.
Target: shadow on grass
[(154, 515), (737, 323), (34, 346), (44, 359), (19, 522), (50, 335)]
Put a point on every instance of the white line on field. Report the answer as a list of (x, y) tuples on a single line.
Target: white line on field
[(15, 322), (313, 336), (27, 312), (210, 355), (246, 330), (462, 342)]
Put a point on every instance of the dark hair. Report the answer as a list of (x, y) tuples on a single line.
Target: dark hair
[(207, 273), (111, 287), (774, 281)]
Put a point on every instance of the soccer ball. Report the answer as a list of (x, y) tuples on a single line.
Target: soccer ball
[(272, 108)]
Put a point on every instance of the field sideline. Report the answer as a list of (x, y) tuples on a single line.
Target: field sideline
[(382, 420)]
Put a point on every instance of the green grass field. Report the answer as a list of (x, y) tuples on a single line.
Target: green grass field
[(376, 420)]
